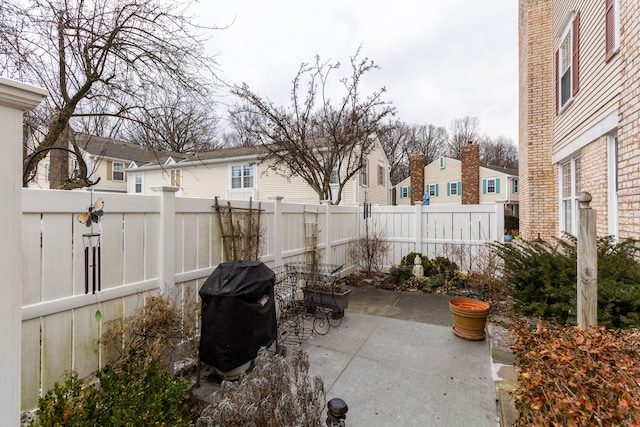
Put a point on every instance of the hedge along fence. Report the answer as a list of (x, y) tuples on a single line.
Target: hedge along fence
[(165, 244)]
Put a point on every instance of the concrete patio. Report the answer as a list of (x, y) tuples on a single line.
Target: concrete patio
[(395, 372), (396, 362)]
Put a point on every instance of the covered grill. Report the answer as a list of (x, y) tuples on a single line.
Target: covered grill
[(238, 314)]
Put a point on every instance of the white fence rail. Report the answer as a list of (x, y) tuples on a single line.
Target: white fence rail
[(166, 244)]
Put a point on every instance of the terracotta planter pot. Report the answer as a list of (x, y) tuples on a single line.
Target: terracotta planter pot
[(469, 317)]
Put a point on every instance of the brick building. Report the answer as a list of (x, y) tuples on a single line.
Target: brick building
[(579, 115)]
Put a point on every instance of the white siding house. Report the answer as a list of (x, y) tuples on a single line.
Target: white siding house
[(240, 174), (443, 183)]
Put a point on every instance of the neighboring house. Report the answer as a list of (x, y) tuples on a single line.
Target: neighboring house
[(109, 159), (579, 115), (443, 182), (106, 159), (239, 174)]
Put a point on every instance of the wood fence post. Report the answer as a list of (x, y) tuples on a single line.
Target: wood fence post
[(587, 264), (15, 99)]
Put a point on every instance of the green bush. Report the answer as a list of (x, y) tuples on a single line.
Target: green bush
[(138, 393), (542, 279), (439, 265), (408, 261), (398, 274)]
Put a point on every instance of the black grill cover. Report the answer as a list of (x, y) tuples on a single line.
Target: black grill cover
[(238, 314)]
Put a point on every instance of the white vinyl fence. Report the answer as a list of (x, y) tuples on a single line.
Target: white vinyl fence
[(458, 232), (167, 244)]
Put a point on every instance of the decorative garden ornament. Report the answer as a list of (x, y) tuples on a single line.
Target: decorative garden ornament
[(418, 269)]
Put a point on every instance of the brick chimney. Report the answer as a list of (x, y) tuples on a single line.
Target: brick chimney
[(471, 174), (416, 173)]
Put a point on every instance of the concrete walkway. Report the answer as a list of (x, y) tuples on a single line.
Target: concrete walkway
[(396, 362), (399, 364)]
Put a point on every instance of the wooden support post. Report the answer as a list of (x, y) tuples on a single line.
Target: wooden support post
[(587, 264)]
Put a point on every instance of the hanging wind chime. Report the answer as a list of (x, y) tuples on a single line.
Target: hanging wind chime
[(91, 243)]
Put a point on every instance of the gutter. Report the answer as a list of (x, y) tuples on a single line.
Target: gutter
[(190, 163)]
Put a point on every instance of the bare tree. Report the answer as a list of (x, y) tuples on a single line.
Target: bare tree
[(312, 137), (395, 142), (430, 141), (500, 152), (99, 58), (240, 134), (462, 131), (174, 122), (404, 140)]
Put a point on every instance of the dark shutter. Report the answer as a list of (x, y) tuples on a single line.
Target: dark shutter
[(610, 36), (575, 63), (557, 81)]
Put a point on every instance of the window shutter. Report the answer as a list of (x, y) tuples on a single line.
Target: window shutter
[(109, 170), (441, 162), (484, 186), (436, 190), (575, 63), (557, 82), (409, 191), (459, 188), (497, 185), (610, 36), (448, 188)]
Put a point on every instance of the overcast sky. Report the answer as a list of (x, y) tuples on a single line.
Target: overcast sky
[(439, 60)]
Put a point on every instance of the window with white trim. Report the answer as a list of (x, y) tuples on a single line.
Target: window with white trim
[(514, 186), (242, 176), (612, 186), (405, 192), (138, 183), (432, 190), (364, 173), (380, 175), (454, 188), (334, 178), (117, 171), (491, 186), (567, 62), (569, 191)]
